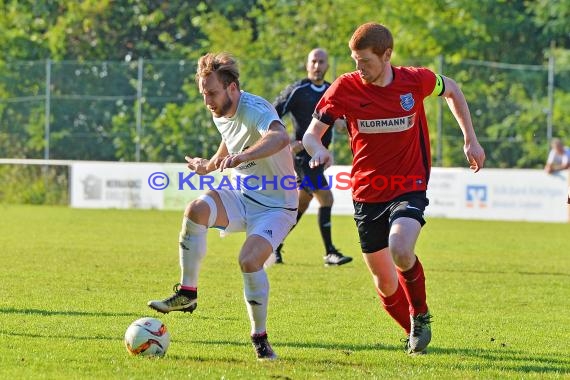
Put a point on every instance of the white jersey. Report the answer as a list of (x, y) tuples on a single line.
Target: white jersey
[(558, 160), (268, 180)]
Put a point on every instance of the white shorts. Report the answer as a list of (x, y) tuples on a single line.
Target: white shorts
[(271, 223)]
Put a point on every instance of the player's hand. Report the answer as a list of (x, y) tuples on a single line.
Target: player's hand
[(216, 162), (230, 161), (475, 156), (197, 164), (322, 157)]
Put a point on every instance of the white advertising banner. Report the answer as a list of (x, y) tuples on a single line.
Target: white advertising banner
[(499, 194), (113, 185), (136, 185), (338, 178)]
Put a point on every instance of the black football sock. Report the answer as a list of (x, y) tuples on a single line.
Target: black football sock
[(325, 227), (189, 293)]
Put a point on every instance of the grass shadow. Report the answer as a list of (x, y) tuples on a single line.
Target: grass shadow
[(491, 272), (61, 336), (521, 361), (65, 312), (347, 348)]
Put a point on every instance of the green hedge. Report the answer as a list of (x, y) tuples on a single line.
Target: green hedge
[(34, 184)]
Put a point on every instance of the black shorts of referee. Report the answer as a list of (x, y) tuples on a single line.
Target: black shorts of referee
[(309, 179)]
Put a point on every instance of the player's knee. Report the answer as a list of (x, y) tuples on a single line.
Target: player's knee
[(386, 286), (246, 264), (198, 211), (198, 216), (249, 262), (202, 210), (328, 199), (402, 252)]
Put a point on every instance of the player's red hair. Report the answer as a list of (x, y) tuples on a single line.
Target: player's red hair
[(372, 35)]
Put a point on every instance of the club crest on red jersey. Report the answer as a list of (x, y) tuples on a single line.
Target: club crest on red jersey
[(407, 101)]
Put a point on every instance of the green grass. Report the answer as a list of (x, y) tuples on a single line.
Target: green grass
[(71, 281)]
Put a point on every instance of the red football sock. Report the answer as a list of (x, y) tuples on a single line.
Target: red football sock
[(397, 306), (414, 283)]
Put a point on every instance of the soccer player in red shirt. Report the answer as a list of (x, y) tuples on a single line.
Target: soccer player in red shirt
[(383, 106)]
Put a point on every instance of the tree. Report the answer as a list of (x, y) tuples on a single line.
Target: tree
[(95, 47)]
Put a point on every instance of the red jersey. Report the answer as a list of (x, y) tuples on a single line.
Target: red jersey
[(388, 131)]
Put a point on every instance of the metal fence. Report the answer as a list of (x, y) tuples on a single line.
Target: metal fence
[(151, 111)]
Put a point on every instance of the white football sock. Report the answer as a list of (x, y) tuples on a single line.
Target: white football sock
[(256, 295), (192, 250)]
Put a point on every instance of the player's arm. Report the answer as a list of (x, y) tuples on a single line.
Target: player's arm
[(272, 142), (314, 146), (204, 166), (460, 110)]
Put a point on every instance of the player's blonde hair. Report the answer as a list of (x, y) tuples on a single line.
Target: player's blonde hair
[(372, 35), (223, 64)]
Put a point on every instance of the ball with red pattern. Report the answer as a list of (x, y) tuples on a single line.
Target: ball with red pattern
[(147, 337)]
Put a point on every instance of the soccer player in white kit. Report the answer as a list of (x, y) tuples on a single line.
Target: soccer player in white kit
[(262, 200)]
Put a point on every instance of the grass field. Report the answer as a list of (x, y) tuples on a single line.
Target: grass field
[(73, 280)]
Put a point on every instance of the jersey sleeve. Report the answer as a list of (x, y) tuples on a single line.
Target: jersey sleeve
[(282, 103), (431, 83), (330, 106), (264, 117)]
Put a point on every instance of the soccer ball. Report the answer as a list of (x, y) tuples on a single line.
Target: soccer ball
[(147, 337)]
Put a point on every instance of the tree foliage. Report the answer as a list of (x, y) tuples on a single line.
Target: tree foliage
[(94, 47)]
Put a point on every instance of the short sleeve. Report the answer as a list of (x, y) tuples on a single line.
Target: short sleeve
[(330, 107), (429, 81)]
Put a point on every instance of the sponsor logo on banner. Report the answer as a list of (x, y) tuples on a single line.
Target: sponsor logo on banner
[(92, 187), (476, 196)]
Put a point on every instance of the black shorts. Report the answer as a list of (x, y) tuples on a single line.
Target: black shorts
[(309, 179), (375, 219)]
